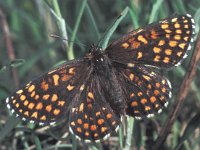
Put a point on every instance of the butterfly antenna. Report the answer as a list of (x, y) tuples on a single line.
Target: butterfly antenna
[(66, 40), (108, 28)]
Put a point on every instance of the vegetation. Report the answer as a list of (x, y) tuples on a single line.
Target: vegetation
[(28, 50)]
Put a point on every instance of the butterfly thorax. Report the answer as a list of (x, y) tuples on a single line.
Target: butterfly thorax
[(98, 61)]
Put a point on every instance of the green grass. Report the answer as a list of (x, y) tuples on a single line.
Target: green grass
[(83, 22)]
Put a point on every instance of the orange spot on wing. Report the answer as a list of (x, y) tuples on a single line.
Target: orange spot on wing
[(179, 54), (161, 42), (177, 25), (90, 95), (146, 77), (104, 129), (65, 77), (166, 60), (48, 108), (186, 26), (85, 125), (33, 94), (100, 121), (19, 92), (70, 87), (54, 98), (125, 45), (35, 115), (108, 116), (156, 50), (142, 39), (61, 103), (17, 105), (134, 103), (143, 101), (154, 34), (131, 76), (174, 19), (56, 112), (156, 92), (147, 108), (72, 123), (93, 127), (168, 51), (87, 133), (26, 102), (164, 90), (39, 106), (46, 97), (44, 86), (164, 26), (182, 45), (78, 130), (26, 113), (173, 43), (72, 70), (157, 58), (22, 97), (139, 94), (157, 84), (37, 97), (139, 55), (31, 88), (135, 44), (79, 121), (177, 37), (98, 113), (56, 79), (186, 38), (43, 117), (178, 31), (81, 107), (31, 105), (153, 99)]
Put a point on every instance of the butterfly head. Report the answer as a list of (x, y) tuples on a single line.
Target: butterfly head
[(95, 54)]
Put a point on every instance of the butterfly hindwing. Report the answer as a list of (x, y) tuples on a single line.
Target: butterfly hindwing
[(91, 116), (161, 44), (146, 90), (46, 99)]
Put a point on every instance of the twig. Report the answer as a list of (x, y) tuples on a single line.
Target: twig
[(185, 86), (9, 45)]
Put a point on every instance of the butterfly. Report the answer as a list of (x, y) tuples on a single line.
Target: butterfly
[(91, 94)]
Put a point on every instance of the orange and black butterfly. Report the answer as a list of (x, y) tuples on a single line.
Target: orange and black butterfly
[(91, 94)]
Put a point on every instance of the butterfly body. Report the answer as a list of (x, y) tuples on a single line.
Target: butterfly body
[(93, 93), (102, 69)]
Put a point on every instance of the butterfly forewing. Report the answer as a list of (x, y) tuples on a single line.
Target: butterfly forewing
[(91, 116), (147, 92), (162, 44), (46, 99)]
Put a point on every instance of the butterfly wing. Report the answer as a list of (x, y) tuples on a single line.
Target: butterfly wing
[(146, 90), (161, 44), (47, 99), (91, 116)]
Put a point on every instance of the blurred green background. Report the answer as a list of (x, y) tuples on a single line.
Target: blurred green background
[(32, 52)]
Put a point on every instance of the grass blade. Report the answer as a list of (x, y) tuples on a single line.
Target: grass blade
[(108, 34)]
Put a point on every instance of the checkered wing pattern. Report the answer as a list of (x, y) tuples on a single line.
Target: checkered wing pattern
[(46, 100), (91, 116), (161, 44), (146, 90)]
